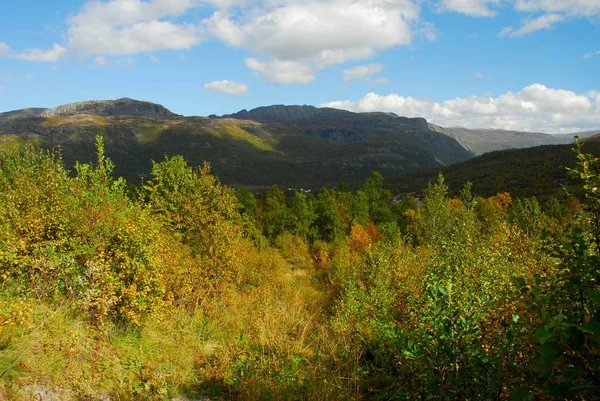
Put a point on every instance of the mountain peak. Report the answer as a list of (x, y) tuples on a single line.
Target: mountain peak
[(280, 112), (111, 108)]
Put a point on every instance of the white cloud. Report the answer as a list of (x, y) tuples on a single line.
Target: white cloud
[(154, 59), (227, 87), (362, 71), (1, 88), (3, 48), (122, 27), (29, 77), (582, 8), (534, 108), (49, 56), (101, 61), (281, 71), (479, 75), (475, 8), (311, 35), (429, 31), (505, 31), (546, 21), (587, 56), (127, 62), (8, 77)]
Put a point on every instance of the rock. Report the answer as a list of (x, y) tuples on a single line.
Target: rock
[(336, 135), (111, 108)]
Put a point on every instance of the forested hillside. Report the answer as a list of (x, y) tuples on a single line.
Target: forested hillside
[(539, 171), (292, 146), (184, 287)]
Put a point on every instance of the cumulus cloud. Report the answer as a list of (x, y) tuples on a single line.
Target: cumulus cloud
[(284, 37), (281, 71), (101, 61), (49, 56), (311, 35), (534, 108), (227, 87), (123, 27), (475, 8), (363, 72)]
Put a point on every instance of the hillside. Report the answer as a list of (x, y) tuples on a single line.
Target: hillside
[(537, 171), (480, 141), (291, 146)]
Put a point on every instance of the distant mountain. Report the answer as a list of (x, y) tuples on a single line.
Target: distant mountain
[(111, 108), (481, 141), (20, 114), (539, 171), (311, 114), (291, 146)]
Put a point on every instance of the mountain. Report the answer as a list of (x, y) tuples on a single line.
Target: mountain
[(19, 114), (539, 171), (111, 108), (480, 141), (292, 146)]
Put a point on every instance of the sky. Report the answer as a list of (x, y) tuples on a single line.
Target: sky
[(531, 65)]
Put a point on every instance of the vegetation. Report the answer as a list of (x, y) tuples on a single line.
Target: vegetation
[(183, 287), (539, 171)]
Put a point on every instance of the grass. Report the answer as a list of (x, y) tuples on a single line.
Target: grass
[(263, 341)]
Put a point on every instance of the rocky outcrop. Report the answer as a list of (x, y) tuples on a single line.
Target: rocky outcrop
[(111, 108), (336, 135), (280, 112)]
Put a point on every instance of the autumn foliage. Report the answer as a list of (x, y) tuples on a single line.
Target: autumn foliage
[(183, 286)]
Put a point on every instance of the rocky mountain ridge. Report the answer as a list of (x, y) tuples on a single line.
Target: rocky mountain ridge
[(111, 108), (287, 145)]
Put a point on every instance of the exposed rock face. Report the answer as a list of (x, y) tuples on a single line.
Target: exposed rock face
[(111, 108), (280, 112), (335, 135), (304, 113)]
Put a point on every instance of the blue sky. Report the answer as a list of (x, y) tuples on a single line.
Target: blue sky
[(513, 64)]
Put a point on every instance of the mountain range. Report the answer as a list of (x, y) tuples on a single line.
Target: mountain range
[(292, 146)]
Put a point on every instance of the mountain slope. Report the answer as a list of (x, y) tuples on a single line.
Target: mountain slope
[(481, 141), (537, 171), (291, 146)]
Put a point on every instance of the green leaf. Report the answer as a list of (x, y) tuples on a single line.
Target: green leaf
[(543, 334), (551, 352), (520, 394), (591, 327), (595, 296)]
